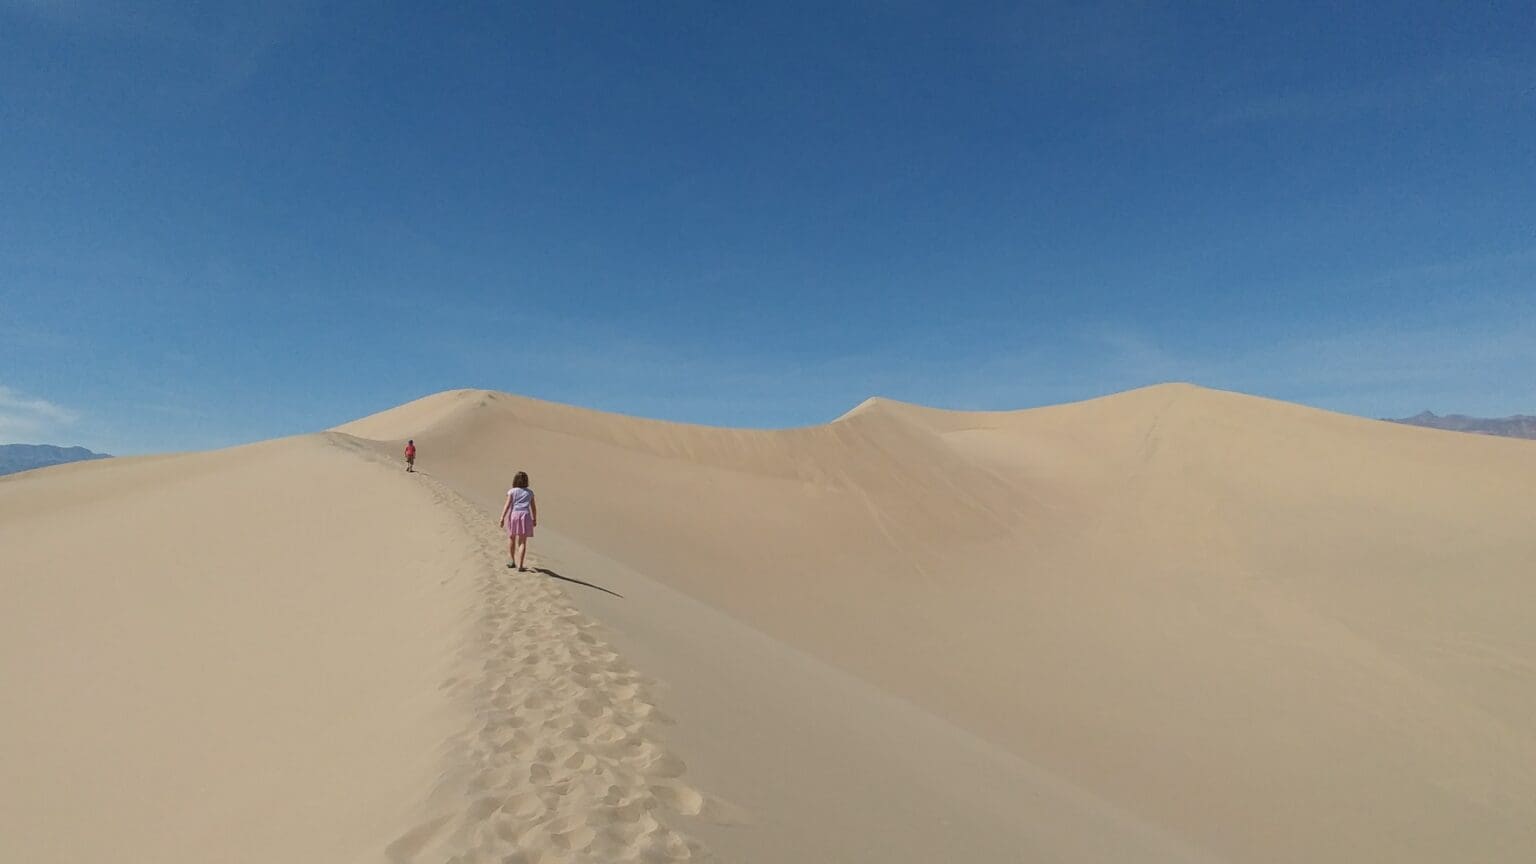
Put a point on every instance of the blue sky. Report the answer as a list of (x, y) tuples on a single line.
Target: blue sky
[(226, 223)]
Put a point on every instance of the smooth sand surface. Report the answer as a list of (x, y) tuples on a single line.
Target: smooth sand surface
[(1173, 624), (292, 652)]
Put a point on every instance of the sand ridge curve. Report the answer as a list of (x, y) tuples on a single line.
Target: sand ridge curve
[(561, 763), (1172, 624), (1232, 617)]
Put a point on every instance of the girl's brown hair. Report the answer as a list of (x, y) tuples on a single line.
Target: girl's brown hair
[(520, 481)]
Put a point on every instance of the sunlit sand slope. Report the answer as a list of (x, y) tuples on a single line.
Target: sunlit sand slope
[(1171, 625), (292, 652), (1267, 632)]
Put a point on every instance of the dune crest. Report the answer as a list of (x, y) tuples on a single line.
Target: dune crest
[(1232, 617), (294, 651), (1168, 625)]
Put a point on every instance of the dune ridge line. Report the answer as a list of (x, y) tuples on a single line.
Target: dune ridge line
[(561, 762)]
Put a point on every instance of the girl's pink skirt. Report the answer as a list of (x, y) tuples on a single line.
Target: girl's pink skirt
[(520, 524)]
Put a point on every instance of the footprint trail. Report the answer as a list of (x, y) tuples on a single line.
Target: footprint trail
[(560, 763)]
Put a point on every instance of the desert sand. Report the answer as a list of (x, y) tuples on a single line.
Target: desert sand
[(1174, 624)]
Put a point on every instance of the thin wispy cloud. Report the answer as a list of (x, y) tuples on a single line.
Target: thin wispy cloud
[(1000, 209), (26, 418), (1476, 367)]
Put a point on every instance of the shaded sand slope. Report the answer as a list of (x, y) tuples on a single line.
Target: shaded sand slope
[(1270, 632), (804, 762), (290, 652)]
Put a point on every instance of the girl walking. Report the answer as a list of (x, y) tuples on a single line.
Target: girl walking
[(519, 517)]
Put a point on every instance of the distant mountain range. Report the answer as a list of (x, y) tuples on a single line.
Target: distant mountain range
[(25, 457), (1518, 426)]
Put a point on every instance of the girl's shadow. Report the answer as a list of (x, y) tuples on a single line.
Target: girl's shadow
[(553, 575)]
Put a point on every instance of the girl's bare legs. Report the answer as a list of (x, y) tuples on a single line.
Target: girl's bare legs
[(522, 552), (512, 549)]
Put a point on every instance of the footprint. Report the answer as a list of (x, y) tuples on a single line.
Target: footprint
[(679, 798), (482, 809), (524, 806), (607, 734), (571, 834), (666, 765), (667, 845), (491, 778), (635, 810)]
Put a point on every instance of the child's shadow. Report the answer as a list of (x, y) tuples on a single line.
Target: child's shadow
[(553, 575)]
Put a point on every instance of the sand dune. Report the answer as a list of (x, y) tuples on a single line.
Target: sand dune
[(1173, 624), (289, 652)]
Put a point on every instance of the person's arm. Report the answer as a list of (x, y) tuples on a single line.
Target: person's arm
[(505, 510), (533, 508)]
